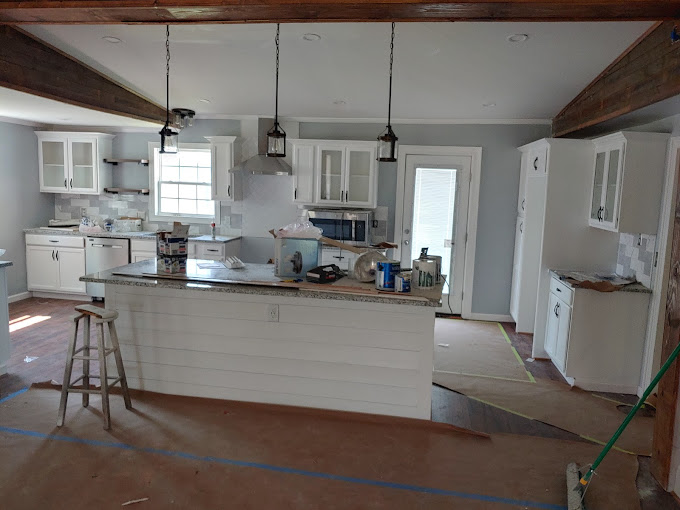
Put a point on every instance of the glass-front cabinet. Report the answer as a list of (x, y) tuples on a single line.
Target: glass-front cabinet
[(73, 162), (346, 174), (607, 176)]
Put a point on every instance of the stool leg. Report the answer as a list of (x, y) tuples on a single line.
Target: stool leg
[(119, 365), (86, 363), (68, 369), (103, 376)]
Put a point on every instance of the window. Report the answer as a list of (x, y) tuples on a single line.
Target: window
[(182, 184)]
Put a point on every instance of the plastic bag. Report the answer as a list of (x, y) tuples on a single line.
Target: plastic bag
[(299, 229)]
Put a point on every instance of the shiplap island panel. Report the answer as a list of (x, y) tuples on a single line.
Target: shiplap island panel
[(347, 352)]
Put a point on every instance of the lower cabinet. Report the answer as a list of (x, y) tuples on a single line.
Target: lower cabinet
[(55, 263), (215, 251), (596, 339), (142, 249)]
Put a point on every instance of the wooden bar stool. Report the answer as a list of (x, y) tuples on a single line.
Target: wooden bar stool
[(100, 316)]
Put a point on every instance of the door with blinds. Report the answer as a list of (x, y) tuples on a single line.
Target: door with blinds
[(436, 195)]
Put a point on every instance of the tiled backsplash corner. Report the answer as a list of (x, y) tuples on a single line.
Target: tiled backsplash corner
[(636, 257), (379, 233)]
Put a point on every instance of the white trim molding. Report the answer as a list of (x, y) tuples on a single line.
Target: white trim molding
[(475, 154), (19, 297)]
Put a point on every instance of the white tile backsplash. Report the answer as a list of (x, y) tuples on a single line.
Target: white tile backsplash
[(636, 257)]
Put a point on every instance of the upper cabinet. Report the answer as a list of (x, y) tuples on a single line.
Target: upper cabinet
[(628, 173), (73, 162), (336, 173), (226, 186)]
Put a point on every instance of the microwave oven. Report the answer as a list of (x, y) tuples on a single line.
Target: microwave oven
[(351, 227)]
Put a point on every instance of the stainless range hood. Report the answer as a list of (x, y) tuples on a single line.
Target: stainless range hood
[(261, 164)]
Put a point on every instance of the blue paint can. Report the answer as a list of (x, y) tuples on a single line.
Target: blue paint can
[(385, 274)]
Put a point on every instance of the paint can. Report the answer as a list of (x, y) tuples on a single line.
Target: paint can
[(402, 282), (438, 260), (424, 273), (385, 274)]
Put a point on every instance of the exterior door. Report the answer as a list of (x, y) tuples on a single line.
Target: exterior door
[(436, 196)]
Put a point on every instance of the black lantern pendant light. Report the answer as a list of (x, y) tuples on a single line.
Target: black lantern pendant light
[(276, 137), (387, 141), (169, 137)]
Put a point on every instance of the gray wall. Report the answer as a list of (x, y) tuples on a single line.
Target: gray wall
[(498, 190), (21, 203)]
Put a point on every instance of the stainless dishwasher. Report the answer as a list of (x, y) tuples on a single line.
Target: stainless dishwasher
[(102, 253)]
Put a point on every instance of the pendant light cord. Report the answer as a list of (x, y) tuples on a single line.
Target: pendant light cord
[(276, 110), (389, 103), (167, 75)]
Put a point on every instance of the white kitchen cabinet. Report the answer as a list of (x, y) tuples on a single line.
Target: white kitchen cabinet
[(302, 162), (73, 162), (522, 195), (346, 174), (226, 186), (596, 339), (627, 180), (551, 231), (55, 263), (215, 251), (142, 249)]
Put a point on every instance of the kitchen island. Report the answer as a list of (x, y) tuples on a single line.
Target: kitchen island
[(243, 334)]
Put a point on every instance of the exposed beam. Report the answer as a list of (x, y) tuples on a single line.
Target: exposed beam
[(30, 65), (666, 405), (647, 72), (262, 11)]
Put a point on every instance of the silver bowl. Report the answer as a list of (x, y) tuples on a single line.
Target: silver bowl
[(365, 265)]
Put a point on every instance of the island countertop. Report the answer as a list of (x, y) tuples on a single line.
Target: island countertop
[(256, 279)]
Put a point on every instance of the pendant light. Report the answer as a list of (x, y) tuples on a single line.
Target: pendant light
[(169, 137), (387, 141), (276, 136)]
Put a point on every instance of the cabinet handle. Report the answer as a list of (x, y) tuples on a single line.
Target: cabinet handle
[(557, 309), (523, 202), (65, 183), (521, 227), (208, 249), (229, 191), (71, 183), (536, 163), (339, 257), (295, 194), (53, 241), (52, 254), (57, 255), (342, 196)]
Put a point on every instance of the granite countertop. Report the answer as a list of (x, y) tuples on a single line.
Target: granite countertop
[(5, 263), (562, 275), (122, 235), (256, 279)]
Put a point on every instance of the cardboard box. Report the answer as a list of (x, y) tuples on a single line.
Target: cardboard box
[(293, 257)]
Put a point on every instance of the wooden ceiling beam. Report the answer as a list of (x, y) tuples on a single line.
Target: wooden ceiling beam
[(646, 73), (298, 11), (30, 65)]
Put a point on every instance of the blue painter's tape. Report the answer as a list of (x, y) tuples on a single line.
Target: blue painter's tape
[(12, 395), (287, 470)]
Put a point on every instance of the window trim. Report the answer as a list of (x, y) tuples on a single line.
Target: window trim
[(153, 198)]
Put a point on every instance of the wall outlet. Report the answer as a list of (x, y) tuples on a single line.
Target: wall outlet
[(273, 313), (83, 211)]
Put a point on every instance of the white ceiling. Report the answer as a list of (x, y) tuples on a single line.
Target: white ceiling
[(442, 71)]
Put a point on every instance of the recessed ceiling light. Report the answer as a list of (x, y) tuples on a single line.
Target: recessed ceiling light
[(339, 102), (311, 37), (518, 37), (206, 101), (111, 39), (490, 104)]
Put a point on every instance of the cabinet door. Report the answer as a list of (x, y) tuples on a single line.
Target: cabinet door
[(522, 195), (538, 160), (138, 256), (71, 268), (610, 200), (360, 174), (330, 164), (564, 313), (53, 164), (223, 181), (303, 173), (598, 186), (42, 268), (83, 164), (553, 325), (517, 268)]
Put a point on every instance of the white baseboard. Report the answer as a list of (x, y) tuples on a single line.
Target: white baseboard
[(489, 317), (19, 297), (56, 295), (608, 388)]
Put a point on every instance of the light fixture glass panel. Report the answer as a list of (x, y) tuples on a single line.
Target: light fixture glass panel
[(203, 192), (187, 191), (205, 207), (169, 190), (169, 205), (187, 206), (170, 142)]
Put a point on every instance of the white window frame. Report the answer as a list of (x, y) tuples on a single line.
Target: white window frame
[(153, 196)]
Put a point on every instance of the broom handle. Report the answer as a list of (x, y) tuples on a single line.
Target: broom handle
[(586, 478)]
